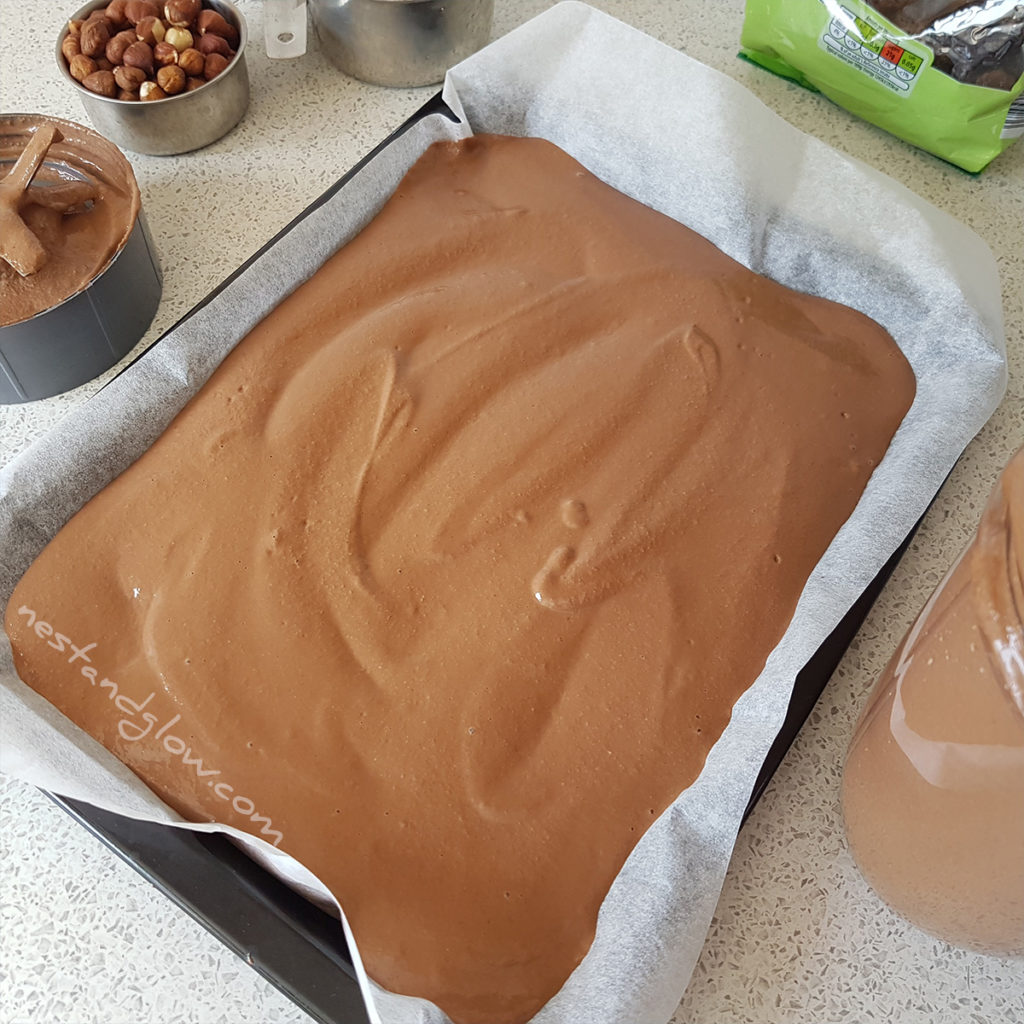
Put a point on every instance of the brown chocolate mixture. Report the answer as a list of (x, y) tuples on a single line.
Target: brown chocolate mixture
[(456, 567), (79, 244), (933, 789)]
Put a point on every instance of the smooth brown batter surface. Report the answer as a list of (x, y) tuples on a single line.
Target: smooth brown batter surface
[(456, 567), (933, 789), (78, 245)]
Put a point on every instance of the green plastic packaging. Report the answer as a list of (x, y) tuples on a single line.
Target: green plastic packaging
[(891, 76)]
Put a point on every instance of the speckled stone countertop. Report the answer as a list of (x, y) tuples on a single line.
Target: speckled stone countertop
[(798, 936)]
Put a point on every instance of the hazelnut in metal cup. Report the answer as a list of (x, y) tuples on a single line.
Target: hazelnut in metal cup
[(933, 788), (158, 78)]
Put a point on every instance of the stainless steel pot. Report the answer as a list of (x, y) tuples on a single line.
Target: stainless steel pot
[(400, 42)]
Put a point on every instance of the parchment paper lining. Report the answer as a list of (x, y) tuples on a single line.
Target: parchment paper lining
[(692, 143)]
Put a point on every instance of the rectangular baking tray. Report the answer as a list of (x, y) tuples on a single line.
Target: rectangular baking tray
[(296, 946)]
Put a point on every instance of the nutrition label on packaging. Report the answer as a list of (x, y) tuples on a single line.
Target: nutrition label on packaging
[(1013, 127), (866, 46)]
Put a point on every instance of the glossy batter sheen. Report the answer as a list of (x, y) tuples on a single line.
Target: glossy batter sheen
[(458, 564), (78, 244), (933, 789)]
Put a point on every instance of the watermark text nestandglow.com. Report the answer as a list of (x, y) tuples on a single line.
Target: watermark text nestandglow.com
[(137, 724)]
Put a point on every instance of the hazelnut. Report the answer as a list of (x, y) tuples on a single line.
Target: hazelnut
[(191, 61), (124, 94), (213, 44), (120, 43), (102, 83), (139, 55), (179, 38), (181, 13), (150, 30), (195, 83), (81, 67), (215, 64), (215, 22), (102, 64), (115, 13), (70, 47), (75, 26), (94, 36), (129, 79), (171, 79), (97, 14), (164, 54), (151, 91), (136, 10)]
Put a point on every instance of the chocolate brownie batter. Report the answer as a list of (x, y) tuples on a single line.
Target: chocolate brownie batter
[(457, 565), (82, 206)]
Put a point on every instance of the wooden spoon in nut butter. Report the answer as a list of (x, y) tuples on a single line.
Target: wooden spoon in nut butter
[(18, 246)]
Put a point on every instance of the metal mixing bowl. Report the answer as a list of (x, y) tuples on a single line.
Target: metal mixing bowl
[(84, 334), (179, 123), (400, 42)]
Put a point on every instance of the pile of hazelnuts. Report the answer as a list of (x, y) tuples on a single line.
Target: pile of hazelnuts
[(133, 50)]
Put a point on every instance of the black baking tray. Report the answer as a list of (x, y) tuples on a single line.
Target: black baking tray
[(296, 946)]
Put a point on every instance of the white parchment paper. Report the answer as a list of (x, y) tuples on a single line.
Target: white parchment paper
[(693, 144)]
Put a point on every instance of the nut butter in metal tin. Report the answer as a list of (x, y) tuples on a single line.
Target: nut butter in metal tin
[(400, 42), (83, 335), (73, 342), (178, 124)]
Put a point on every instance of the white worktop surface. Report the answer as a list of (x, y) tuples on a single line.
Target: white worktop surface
[(798, 936)]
